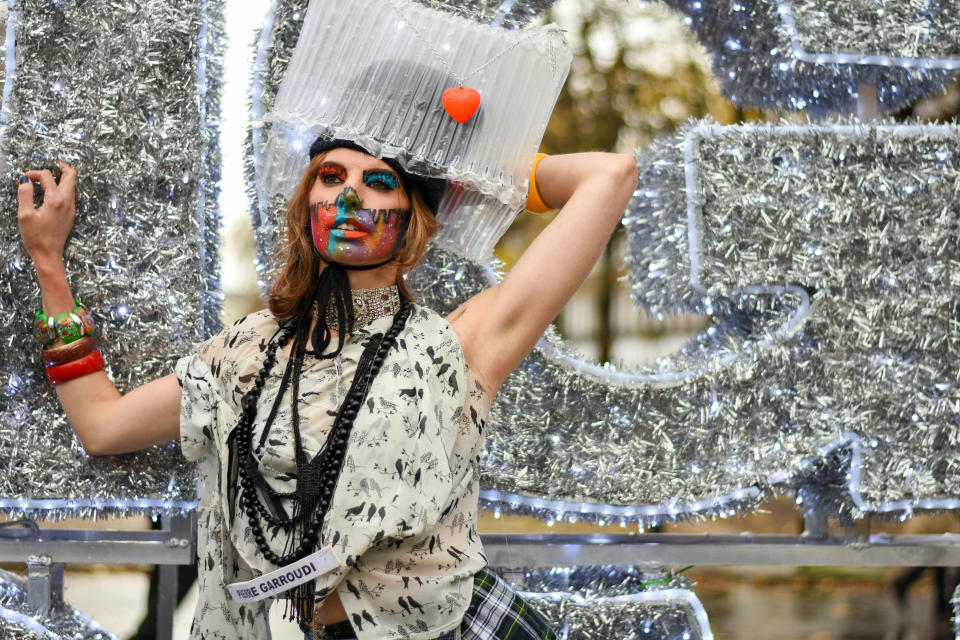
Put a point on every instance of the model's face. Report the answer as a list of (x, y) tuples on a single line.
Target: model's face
[(358, 213)]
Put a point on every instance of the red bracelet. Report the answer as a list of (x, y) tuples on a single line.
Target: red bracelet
[(90, 363)]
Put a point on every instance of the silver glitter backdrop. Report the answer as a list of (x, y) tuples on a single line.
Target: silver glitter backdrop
[(923, 30), (127, 92), (955, 603), (625, 603), (826, 257), (754, 62), (509, 13), (571, 440), (62, 622)]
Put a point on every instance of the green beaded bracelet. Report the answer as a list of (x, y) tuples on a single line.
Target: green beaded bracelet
[(69, 327)]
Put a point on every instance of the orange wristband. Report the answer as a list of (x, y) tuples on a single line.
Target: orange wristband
[(69, 352), (534, 202), (90, 363)]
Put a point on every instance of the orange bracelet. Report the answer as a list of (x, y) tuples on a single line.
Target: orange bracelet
[(68, 352), (90, 363), (535, 203)]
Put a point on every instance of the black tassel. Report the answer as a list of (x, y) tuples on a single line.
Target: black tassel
[(333, 287)]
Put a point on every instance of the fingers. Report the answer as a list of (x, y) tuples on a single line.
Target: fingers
[(25, 196), (68, 179), (46, 180), (65, 191)]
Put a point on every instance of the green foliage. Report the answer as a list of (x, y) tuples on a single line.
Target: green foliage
[(637, 73)]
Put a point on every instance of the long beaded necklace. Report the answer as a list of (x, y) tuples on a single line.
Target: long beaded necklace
[(317, 478)]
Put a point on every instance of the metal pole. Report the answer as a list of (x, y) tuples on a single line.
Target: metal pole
[(181, 535), (44, 584), (867, 101), (166, 601)]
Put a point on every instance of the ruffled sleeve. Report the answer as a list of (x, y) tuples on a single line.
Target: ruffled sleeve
[(198, 406), (211, 380), (214, 377)]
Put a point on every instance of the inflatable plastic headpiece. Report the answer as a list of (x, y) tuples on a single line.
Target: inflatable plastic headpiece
[(375, 72)]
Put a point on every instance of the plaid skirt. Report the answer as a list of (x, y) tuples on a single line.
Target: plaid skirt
[(496, 612)]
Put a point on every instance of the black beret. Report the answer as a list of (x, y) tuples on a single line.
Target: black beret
[(432, 189)]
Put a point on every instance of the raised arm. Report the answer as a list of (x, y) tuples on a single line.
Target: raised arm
[(105, 421), (499, 326)]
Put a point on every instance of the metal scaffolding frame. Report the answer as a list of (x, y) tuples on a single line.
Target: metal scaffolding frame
[(50, 550)]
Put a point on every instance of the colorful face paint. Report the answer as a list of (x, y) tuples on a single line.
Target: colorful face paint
[(346, 232), (380, 180), (331, 173)]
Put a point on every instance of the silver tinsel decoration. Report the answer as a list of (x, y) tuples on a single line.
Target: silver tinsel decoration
[(846, 233), (753, 55), (127, 92), (955, 602), (626, 603), (274, 45), (509, 13), (914, 32), (62, 622), (571, 440)]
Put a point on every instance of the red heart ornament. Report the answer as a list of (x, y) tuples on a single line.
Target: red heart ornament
[(461, 103)]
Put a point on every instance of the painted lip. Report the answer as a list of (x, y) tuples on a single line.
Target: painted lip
[(351, 228), (349, 234)]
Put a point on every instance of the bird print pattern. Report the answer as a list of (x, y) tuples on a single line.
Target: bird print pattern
[(404, 513)]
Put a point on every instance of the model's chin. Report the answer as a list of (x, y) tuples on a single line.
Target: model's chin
[(348, 261)]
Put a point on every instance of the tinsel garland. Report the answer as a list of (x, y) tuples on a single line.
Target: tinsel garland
[(955, 603), (777, 393), (863, 221), (510, 13), (626, 603), (753, 59), (571, 440), (922, 30), (273, 47), (128, 92), (62, 622)]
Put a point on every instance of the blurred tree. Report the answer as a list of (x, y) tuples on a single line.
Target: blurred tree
[(637, 74), (942, 108)]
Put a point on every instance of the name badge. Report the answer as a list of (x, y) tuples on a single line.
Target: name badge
[(285, 578)]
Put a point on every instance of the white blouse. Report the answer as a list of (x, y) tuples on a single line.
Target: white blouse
[(403, 518)]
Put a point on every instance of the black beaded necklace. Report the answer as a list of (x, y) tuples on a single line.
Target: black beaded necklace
[(317, 478)]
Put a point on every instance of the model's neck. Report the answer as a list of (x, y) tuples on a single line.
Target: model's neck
[(384, 276)]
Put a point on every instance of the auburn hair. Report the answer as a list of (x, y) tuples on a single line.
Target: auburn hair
[(302, 264)]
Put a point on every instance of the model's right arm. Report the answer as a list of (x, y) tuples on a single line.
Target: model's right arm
[(105, 421)]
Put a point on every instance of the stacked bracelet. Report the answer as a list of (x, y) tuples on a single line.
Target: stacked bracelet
[(69, 327), (68, 353), (534, 202), (90, 363)]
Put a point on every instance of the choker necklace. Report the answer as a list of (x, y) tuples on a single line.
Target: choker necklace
[(368, 305)]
